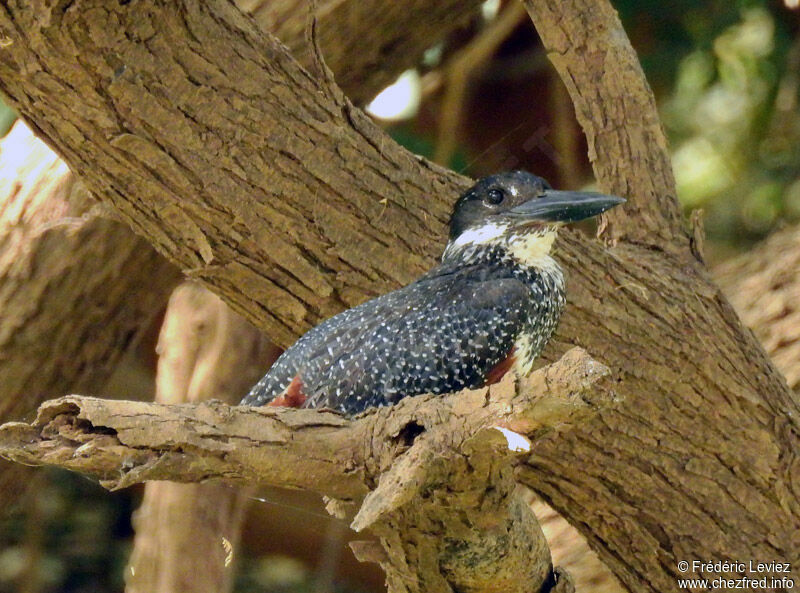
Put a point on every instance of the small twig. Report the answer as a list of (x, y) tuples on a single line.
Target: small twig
[(697, 240), (318, 59)]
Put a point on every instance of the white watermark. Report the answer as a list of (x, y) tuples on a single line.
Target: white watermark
[(769, 575)]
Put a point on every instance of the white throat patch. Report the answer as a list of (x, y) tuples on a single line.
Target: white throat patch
[(528, 249), (482, 235)]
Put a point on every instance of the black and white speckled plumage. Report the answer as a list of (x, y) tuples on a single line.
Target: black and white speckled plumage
[(442, 333)]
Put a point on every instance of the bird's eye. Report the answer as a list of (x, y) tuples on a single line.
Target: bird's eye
[(495, 196)]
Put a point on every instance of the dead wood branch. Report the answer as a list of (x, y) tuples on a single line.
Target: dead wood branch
[(127, 442), (427, 461)]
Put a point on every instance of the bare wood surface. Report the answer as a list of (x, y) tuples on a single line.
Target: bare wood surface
[(127, 442), (271, 189), (586, 43), (402, 468), (187, 534), (714, 399), (366, 43), (571, 551), (76, 289)]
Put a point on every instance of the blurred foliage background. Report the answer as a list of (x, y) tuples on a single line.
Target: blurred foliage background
[(726, 77)]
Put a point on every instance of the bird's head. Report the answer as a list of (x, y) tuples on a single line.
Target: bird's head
[(520, 213)]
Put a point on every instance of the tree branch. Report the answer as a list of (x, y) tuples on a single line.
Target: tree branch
[(128, 442), (396, 463), (44, 225), (462, 69), (586, 43), (366, 43), (204, 350), (221, 110), (772, 272)]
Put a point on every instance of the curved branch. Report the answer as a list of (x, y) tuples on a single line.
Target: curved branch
[(617, 111)]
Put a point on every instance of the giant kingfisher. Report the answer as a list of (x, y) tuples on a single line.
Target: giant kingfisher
[(490, 306)]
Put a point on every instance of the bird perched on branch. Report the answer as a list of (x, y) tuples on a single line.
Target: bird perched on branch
[(490, 306)]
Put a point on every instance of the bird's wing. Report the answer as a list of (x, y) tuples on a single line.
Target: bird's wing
[(440, 334)]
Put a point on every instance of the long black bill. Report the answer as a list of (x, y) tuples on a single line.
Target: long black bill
[(565, 206)]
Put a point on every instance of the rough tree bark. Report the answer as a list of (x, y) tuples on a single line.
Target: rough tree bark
[(263, 182), (76, 290), (246, 148), (772, 272), (186, 533), (31, 219), (441, 463), (37, 291), (615, 107)]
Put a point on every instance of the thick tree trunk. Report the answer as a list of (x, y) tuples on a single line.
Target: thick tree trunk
[(186, 534), (706, 365), (238, 164), (57, 249), (265, 184)]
